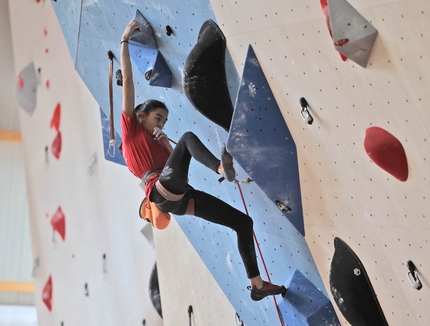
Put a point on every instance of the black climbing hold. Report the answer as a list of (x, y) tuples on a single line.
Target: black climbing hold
[(148, 74), (352, 290), (283, 207), (204, 77), (118, 76), (154, 291), (168, 30)]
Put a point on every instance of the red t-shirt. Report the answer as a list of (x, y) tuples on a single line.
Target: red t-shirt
[(141, 152)]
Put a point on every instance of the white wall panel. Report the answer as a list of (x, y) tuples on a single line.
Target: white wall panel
[(344, 193)]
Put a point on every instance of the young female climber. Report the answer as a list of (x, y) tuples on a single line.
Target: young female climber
[(164, 170)]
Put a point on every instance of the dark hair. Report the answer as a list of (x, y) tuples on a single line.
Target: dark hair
[(149, 106)]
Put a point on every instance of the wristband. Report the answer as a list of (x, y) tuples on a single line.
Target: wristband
[(125, 41)]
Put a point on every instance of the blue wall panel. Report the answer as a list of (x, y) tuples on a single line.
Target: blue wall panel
[(260, 141), (70, 13)]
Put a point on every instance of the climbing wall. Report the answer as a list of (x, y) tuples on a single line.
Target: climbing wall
[(344, 193), (94, 241), (95, 39)]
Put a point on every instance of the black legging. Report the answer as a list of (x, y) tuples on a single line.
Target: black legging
[(174, 178)]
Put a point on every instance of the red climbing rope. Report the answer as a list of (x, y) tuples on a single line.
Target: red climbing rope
[(172, 141), (261, 254)]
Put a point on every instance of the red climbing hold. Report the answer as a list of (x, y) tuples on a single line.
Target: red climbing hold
[(20, 81), (58, 222), (387, 152), (325, 10), (341, 42), (47, 294), (56, 146), (55, 121)]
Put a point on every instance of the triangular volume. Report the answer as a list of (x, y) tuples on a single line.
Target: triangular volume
[(353, 35), (144, 36), (305, 304), (27, 89), (359, 51), (161, 75), (260, 141)]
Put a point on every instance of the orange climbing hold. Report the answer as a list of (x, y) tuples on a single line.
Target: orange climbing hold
[(387, 152)]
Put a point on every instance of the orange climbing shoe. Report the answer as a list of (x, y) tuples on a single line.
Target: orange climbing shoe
[(267, 289), (227, 165)]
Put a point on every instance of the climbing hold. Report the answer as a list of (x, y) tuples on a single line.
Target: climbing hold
[(144, 36), (387, 152), (145, 54), (351, 288), (27, 89), (324, 7), (148, 74), (55, 120), (168, 30), (47, 293), (154, 291), (352, 34), (283, 207), (118, 76), (56, 146), (204, 77), (58, 222), (304, 304)]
